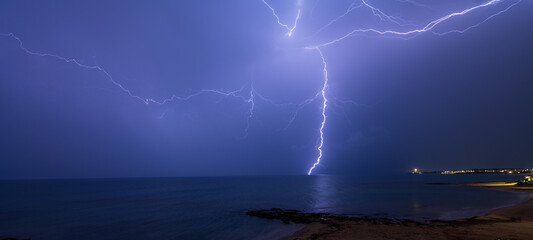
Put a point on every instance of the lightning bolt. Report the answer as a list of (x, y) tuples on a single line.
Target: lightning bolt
[(429, 27), (375, 11), (235, 94), (300, 107), (192, 94), (251, 101), (402, 34), (383, 16), (162, 115), (415, 3), (253, 95), (290, 30), (478, 24), (351, 8), (324, 106)]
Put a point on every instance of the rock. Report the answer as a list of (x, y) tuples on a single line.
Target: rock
[(296, 216)]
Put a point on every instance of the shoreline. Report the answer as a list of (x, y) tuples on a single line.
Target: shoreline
[(506, 187), (507, 222)]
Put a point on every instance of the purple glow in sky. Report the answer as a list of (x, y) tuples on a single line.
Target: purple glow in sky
[(157, 54)]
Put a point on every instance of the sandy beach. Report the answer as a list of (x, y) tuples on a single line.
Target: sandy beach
[(514, 222)]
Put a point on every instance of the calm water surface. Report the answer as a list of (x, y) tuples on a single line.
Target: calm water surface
[(212, 207)]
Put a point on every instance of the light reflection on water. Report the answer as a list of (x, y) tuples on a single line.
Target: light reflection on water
[(409, 196), (323, 193), (213, 207)]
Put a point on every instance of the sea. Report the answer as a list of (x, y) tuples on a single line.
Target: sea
[(214, 207)]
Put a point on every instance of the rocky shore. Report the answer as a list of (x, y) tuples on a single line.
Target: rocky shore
[(515, 222), (299, 217)]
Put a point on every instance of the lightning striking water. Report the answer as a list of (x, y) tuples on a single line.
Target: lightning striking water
[(253, 94), (324, 106), (380, 14)]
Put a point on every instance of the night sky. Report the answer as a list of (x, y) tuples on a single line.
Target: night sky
[(460, 100)]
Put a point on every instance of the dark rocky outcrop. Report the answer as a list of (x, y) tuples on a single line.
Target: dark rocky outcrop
[(296, 216)]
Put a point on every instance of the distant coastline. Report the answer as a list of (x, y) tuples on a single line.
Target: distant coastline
[(519, 171)]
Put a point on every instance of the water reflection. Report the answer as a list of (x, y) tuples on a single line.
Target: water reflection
[(212, 207), (328, 192)]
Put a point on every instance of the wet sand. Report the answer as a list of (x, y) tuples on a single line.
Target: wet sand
[(514, 222)]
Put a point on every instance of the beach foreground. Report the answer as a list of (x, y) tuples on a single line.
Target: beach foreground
[(514, 222)]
